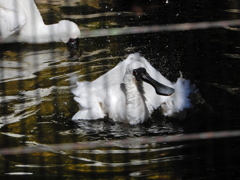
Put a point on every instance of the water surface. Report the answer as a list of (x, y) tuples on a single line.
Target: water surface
[(37, 104)]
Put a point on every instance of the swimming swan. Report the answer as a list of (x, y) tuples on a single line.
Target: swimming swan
[(22, 18), (130, 92)]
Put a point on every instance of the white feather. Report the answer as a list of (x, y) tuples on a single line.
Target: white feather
[(118, 95), (22, 17)]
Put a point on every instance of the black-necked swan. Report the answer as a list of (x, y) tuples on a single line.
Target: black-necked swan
[(22, 18), (130, 92)]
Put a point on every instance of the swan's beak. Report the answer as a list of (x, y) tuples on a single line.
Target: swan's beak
[(141, 74), (73, 46)]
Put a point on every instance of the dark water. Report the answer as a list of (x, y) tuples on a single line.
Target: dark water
[(37, 105)]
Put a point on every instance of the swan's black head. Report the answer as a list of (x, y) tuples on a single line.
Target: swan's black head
[(138, 73), (141, 74), (73, 47)]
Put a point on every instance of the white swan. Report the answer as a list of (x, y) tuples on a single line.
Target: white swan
[(129, 93), (22, 18)]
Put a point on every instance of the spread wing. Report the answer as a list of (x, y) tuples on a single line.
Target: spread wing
[(12, 17)]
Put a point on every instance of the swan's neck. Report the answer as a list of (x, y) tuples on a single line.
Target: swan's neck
[(136, 110)]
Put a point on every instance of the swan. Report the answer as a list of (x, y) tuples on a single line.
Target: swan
[(22, 18), (130, 92)]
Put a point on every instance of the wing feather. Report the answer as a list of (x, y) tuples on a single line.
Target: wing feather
[(11, 19)]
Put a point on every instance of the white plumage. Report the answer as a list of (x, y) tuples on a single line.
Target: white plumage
[(22, 17), (120, 96)]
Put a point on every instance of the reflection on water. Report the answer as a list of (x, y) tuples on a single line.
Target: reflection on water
[(37, 105)]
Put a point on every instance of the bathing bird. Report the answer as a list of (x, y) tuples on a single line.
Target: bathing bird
[(23, 19), (130, 92)]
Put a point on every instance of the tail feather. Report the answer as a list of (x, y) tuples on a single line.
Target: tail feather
[(90, 108), (87, 114), (82, 88), (178, 102)]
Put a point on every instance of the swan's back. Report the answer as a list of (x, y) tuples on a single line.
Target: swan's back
[(115, 75), (12, 17), (23, 18)]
